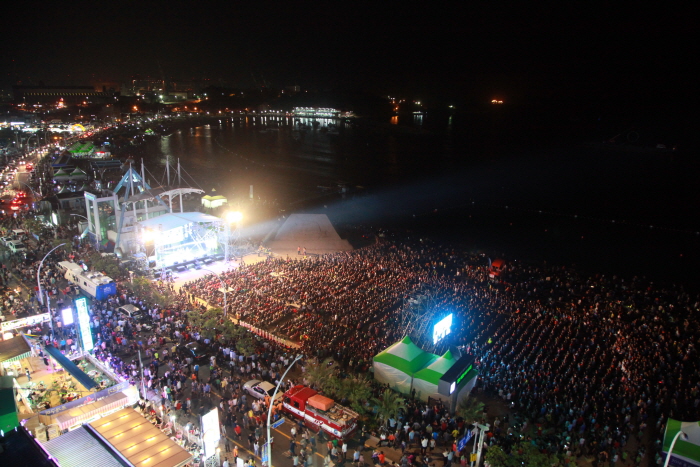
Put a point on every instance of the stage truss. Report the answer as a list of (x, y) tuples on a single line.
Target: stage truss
[(419, 314)]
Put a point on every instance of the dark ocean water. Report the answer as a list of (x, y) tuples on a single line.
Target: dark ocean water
[(480, 183)]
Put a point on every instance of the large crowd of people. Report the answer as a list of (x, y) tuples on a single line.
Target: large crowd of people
[(603, 359), (599, 361)]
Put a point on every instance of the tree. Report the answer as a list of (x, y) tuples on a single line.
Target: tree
[(321, 375), (165, 298), (141, 287), (496, 457), (357, 390), (470, 409), (523, 453), (244, 341), (388, 405), (68, 244), (526, 453), (207, 322), (107, 264)]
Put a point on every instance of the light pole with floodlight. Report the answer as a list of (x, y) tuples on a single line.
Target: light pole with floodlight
[(232, 217), (38, 284), (269, 409)]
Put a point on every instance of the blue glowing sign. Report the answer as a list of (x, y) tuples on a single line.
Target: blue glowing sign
[(84, 322), (442, 328)]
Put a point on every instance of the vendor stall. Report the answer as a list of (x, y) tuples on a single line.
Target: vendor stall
[(14, 356)]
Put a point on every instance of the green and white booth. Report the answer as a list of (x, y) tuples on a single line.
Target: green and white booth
[(397, 364), (686, 451), (448, 379), (406, 368)]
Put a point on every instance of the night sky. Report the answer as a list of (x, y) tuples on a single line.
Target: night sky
[(457, 50)]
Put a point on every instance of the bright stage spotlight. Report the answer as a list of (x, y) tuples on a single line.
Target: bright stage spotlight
[(234, 216)]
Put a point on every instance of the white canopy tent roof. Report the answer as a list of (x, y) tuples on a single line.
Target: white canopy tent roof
[(178, 219), (397, 364)]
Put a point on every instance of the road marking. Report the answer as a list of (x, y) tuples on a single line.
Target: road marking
[(273, 442)]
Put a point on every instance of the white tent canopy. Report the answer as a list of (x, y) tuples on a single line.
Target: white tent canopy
[(425, 381), (173, 220), (397, 364)]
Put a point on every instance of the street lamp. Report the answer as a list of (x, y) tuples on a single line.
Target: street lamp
[(30, 189), (232, 217), (673, 443), (38, 284), (223, 286), (269, 409)]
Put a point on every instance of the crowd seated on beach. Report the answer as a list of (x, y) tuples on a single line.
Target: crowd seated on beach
[(601, 357)]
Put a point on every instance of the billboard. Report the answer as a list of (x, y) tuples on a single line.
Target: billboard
[(442, 328), (211, 433), (84, 323), (67, 316)]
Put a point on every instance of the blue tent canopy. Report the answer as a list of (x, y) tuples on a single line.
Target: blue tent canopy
[(71, 367)]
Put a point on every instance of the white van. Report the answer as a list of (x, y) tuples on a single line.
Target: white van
[(16, 246)]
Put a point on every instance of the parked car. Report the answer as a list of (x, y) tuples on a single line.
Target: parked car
[(16, 246), (194, 350), (260, 389)]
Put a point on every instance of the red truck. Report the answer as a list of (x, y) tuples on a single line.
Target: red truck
[(320, 412)]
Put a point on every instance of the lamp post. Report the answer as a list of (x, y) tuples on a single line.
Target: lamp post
[(269, 409), (38, 284), (223, 286), (30, 189), (673, 443), (232, 217)]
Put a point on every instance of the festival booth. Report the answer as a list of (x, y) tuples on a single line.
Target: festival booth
[(213, 200), (686, 450), (397, 365), (409, 370), (8, 329), (448, 379), (122, 438), (73, 393), (61, 175), (426, 381), (103, 392), (14, 355)]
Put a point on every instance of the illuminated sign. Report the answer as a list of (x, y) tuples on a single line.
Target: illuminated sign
[(23, 322), (442, 328), (461, 377), (211, 433), (84, 322), (67, 315), (457, 376)]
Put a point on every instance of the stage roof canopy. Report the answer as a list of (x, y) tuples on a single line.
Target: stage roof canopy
[(433, 372), (178, 219), (82, 377), (139, 441), (12, 350), (151, 193), (80, 448)]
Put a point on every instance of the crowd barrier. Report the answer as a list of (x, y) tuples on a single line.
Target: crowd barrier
[(260, 332)]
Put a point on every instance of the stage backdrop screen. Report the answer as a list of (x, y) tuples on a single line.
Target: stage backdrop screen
[(442, 328)]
